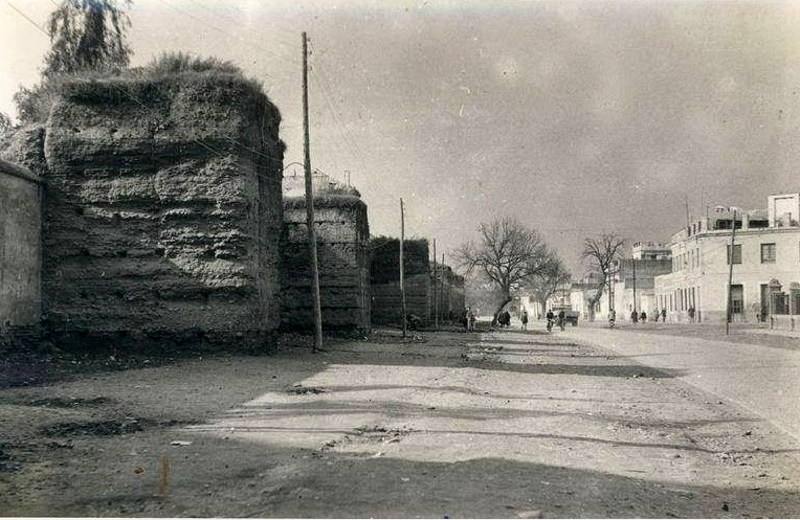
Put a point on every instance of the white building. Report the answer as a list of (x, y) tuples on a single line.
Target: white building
[(766, 266)]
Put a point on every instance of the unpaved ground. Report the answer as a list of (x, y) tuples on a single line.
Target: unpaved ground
[(492, 425)]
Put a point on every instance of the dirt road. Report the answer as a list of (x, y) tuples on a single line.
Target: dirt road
[(448, 425), (761, 378)]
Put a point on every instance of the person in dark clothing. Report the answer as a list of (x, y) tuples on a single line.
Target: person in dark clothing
[(413, 321)]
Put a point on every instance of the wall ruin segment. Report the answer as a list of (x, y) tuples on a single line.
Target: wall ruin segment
[(164, 211), (342, 231)]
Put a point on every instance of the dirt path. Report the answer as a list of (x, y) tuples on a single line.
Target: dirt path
[(501, 425)]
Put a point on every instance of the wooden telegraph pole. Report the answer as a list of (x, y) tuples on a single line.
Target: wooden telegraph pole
[(730, 277), (312, 239), (633, 262), (402, 282), (435, 301), (441, 291)]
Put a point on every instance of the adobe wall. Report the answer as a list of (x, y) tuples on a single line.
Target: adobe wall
[(342, 230), (385, 280), (164, 213), (20, 251), (449, 293)]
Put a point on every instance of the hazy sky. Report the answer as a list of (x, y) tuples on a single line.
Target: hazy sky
[(576, 118)]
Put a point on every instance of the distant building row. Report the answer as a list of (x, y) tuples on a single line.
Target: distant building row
[(765, 284), (688, 279)]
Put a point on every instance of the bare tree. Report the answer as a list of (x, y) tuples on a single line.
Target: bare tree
[(545, 285), (601, 253), (508, 255)]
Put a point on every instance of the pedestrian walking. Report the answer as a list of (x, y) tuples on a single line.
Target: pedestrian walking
[(471, 320), (643, 317), (664, 315), (524, 320), (550, 317), (561, 319), (634, 316)]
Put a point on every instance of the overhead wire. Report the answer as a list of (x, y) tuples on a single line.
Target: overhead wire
[(343, 129), (325, 85), (203, 144), (227, 33), (325, 88), (15, 8)]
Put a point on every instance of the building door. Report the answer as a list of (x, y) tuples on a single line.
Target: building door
[(764, 302)]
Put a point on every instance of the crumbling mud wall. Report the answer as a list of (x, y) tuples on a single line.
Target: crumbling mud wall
[(385, 280), (21, 194), (342, 230), (163, 213), (447, 294)]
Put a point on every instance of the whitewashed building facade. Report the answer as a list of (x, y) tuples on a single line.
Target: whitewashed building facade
[(766, 267)]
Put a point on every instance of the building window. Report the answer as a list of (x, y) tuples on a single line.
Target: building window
[(767, 253), (737, 254), (737, 299)]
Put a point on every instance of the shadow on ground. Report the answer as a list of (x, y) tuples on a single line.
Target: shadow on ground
[(312, 487)]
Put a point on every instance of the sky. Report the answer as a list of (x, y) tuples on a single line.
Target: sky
[(576, 118)]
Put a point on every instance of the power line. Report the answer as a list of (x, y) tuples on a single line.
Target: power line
[(289, 36), (227, 33), (346, 134), (203, 144), (12, 6)]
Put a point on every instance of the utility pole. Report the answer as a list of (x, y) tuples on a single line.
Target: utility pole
[(402, 282), (312, 239), (730, 277), (435, 301), (633, 262), (441, 294), (688, 218), (610, 278)]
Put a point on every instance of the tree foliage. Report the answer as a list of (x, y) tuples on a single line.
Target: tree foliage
[(88, 35), (5, 124), (508, 255), (601, 254)]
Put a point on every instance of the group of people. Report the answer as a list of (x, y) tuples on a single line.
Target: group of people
[(637, 317), (503, 319), (558, 319)]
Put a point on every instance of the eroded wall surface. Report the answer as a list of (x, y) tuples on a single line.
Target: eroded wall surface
[(164, 213), (342, 231), (385, 281), (447, 294)]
